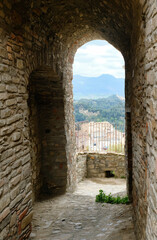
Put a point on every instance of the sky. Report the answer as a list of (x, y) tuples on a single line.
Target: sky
[(98, 57)]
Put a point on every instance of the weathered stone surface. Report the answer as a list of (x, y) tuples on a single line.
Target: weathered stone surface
[(10, 102), (82, 217), (15, 181), (4, 202), (16, 136), (13, 219), (26, 220), (6, 113), (19, 63), (11, 88), (96, 165), (38, 41), (4, 214)]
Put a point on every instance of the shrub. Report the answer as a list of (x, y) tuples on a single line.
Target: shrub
[(103, 198)]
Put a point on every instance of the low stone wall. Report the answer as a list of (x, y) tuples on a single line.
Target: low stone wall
[(81, 166), (99, 164)]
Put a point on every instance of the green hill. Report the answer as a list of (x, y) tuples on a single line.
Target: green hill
[(110, 109)]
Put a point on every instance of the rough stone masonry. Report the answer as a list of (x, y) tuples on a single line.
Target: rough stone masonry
[(100, 165), (38, 41)]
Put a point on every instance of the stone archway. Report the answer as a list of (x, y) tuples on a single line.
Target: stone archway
[(47, 132), (47, 33)]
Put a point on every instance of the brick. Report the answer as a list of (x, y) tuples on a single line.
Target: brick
[(23, 214)]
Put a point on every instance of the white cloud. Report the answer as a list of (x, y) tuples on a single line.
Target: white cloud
[(98, 57)]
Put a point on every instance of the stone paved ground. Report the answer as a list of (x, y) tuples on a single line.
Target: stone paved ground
[(78, 217)]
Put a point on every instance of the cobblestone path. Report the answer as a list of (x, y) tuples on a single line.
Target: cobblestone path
[(78, 217)]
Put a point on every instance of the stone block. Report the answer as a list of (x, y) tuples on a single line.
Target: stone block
[(6, 130), (15, 181), (13, 219), (16, 136), (2, 88), (14, 192), (8, 153), (11, 88), (16, 201), (20, 63), (151, 77), (16, 79), (22, 89), (13, 119), (27, 220), (6, 112), (4, 201), (26, 171), (4, 214), (3, 96), (2, 122), (26, 159), (11, 102), (23, 214), (16, 164), (91, 166), (3, 68), (5, 222)]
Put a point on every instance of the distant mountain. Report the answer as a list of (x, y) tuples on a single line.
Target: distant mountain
[(110, 109), (97, 87)]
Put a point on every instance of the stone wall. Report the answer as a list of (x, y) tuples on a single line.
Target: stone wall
[(44, 35), (47, 132), (27, 128), (144, 119), (81, 166), (96, 164)]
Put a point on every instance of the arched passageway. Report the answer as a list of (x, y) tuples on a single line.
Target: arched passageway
[(47, 132), (46, 34)]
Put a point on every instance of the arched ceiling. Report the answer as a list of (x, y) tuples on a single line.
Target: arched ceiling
[(69, 20)]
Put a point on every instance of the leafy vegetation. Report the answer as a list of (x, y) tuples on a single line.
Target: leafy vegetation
[(103, 198), (111, 109)]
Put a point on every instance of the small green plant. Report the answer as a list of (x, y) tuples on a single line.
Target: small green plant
[(103, 198)]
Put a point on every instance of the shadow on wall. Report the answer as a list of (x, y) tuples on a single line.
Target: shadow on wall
[(47, 133)]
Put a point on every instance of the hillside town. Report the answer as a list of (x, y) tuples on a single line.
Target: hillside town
[(99, 136)]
